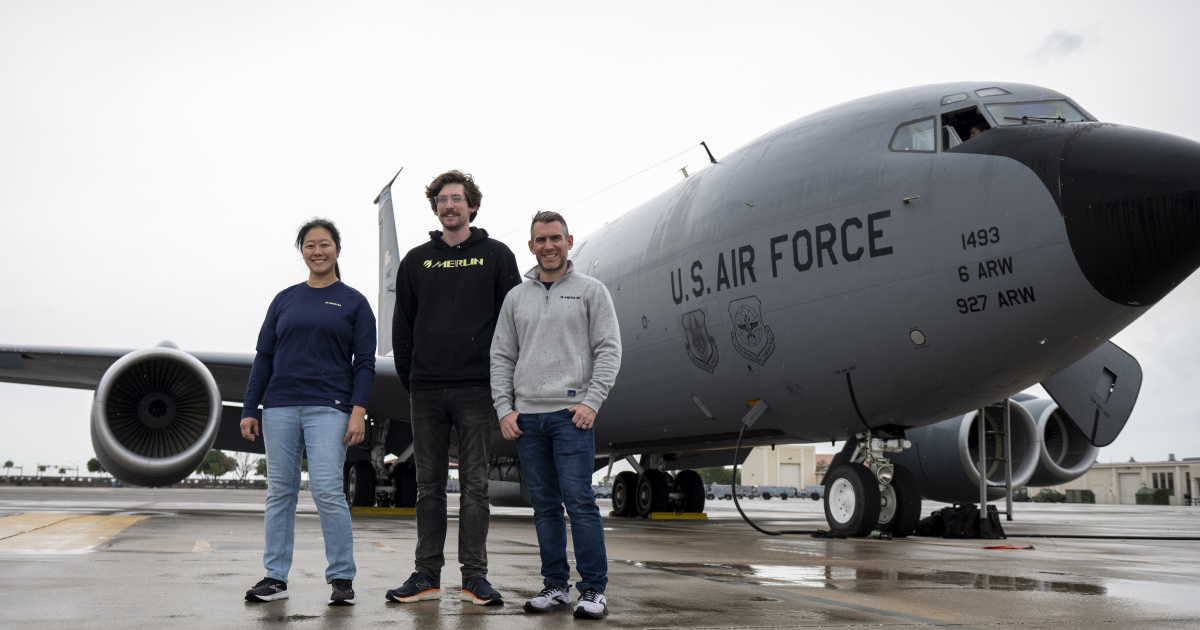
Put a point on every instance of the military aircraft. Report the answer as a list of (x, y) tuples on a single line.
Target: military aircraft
[(880, 272)]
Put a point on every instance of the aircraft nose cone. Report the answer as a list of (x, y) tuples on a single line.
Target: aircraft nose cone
[(1130, 199)]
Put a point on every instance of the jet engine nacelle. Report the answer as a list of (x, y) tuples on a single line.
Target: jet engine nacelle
[(155, 416), (945, 456), (1064, 453)]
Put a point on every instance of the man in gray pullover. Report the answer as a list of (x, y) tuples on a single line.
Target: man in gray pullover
[(555, 356)]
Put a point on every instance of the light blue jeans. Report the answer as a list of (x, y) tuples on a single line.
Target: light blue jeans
[(287, 433)]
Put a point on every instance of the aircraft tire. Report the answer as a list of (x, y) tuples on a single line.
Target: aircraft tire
[(852, 500), (902, 497), (690, 486), (404, 485), (624, 489), (358, 481), (653, 492)]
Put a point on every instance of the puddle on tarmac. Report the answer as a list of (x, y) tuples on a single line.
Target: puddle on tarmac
[(873, 580)]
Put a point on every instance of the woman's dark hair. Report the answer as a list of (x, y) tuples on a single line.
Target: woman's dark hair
[(318, 222)]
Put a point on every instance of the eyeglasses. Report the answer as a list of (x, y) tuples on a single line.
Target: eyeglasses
[(443, 199)]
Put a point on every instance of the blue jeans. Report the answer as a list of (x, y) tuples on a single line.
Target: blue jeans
[(557, 460), (468, 411), (287, 433)]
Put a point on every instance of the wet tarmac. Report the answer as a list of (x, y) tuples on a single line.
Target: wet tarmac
[(133, 558)]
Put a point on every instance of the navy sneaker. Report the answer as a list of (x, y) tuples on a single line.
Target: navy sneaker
[(343, 593), (477, 590), (267, 590), (417, 587), (591, 605), (552, 598)]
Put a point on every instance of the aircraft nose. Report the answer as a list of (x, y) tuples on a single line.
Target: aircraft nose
[(1129, 198), (1131, 204)]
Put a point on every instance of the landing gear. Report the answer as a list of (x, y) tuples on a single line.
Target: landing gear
[(851, 500), (359, 483), (652, 492), (901, 504), (404, 485), (864, 491), (624, 489), (687, 493)]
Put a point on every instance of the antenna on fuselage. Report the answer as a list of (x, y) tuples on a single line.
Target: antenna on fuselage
[(710, 155)]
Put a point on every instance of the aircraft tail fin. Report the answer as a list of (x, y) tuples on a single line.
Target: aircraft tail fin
[(389, 265)]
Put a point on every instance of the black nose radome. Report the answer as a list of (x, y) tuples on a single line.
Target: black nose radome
[(1130, 200)]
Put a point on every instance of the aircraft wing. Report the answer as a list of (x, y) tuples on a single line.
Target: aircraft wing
[(82, 368)]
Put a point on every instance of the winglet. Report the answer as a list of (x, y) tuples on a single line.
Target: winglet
[(389, 265)]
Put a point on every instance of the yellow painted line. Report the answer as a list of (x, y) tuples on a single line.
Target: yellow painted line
[(202, 546), (682, 516), (21, 523), (382, 511), (383, 547), (59, 533)]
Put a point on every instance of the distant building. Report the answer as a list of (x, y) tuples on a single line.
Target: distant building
[(795, 465), (1118, 482)]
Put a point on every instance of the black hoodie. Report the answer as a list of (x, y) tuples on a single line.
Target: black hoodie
[(447, 301)]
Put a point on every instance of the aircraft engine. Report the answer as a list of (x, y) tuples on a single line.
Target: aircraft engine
[(944, 456), (155, 416), (1064, 453)]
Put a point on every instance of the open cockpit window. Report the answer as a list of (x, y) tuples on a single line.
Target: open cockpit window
[(917, 135), (962, 125), (1034, 112)]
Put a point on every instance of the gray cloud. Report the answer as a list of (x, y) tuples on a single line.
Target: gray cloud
[(1058, 44)]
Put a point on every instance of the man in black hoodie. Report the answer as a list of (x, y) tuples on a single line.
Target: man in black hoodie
[(448, 294)]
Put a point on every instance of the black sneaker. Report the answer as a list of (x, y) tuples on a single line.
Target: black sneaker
[(418, 587), (591, 605), (343, 593), (267, 590), (551, 598), (477, 590)]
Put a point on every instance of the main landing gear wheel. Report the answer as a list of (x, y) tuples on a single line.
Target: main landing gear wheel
[(653, 490), (404, 486), (687, 493), (358, 481), (624, 489), (901, 504), (851, 500)]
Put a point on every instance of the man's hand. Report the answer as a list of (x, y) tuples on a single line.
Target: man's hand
[(585, 416), (250, 427), (508, 427), (356, 428)]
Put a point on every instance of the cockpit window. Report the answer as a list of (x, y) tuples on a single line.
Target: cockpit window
[(914, 136), (954, 98), (1034, 112), (992, 91)]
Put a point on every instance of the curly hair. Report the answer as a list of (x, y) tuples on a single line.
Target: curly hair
[(473, 194)]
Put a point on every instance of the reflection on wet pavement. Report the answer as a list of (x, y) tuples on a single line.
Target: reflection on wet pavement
[(873, 580)]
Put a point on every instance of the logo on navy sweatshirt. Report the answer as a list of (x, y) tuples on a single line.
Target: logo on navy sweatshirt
[(447, 264)]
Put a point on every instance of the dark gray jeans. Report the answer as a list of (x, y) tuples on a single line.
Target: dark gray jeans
[(467, 410)]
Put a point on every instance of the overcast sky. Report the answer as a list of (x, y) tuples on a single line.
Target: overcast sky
[(156, 157)]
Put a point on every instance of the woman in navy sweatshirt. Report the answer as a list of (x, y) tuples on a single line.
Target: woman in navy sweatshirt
[(312, 375)]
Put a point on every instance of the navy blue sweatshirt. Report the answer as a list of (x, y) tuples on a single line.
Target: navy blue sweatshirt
[(317, 348), (447, 301)]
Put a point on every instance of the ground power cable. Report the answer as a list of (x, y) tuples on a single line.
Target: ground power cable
[(747, 421)]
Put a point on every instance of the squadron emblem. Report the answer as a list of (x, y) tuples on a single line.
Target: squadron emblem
[(701, 347), (751, 338)]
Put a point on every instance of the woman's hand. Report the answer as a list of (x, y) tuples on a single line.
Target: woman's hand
[(250, 428), (356, 430)]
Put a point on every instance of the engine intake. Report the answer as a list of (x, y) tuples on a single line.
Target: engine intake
[(945, 456), (1064, 453), (155, 416)]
